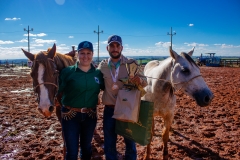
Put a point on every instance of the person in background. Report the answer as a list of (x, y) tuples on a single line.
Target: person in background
[(113, 69), (80, 85)]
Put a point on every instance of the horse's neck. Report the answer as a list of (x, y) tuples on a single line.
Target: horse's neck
[(63, 61), (165, 68)]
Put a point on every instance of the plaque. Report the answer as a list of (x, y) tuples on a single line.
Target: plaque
[(132, 69)]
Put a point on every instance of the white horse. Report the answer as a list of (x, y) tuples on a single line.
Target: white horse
[(178, 72)]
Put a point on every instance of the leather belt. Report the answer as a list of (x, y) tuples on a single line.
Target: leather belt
[(111, 106), (81, 110)]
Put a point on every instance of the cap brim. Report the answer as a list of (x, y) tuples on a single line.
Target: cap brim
[(116, 42), (85, 48)]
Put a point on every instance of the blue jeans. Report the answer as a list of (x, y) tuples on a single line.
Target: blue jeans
[(110, 138), (80, 127)]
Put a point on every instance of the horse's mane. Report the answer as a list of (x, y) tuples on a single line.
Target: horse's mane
[(63, 60), (187, 57)]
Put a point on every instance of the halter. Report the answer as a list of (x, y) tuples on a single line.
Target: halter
[(172, 83), (176, 83), (46, 82)]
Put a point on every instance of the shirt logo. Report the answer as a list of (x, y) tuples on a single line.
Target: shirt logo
[(96, 80)]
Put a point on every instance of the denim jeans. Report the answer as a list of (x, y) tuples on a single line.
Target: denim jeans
[(110, 138), (80, 127)]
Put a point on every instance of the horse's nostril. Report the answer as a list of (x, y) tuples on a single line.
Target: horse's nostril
[(207, 99), (51, 108)]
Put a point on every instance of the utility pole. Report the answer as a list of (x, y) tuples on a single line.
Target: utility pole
[(28, 37), (98, 40), (171, 34)]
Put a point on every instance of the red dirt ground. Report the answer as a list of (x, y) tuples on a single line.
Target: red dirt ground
[(210, 133)]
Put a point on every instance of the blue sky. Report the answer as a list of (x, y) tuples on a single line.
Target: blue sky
[(209, 25)]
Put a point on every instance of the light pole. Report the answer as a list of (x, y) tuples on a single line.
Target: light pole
[(98, 40), (28, 37), (171, 34)]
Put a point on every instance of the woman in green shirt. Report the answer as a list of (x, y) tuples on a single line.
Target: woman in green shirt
[(80, 85)]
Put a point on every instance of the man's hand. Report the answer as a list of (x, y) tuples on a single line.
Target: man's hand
[(136, 80)]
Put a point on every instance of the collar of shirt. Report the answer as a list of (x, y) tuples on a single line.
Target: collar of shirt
[(76, 67), (110, 63)]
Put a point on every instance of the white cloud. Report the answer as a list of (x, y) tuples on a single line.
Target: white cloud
[(6, 42), (163, 44), (37, 45), (227, 46), (45, 41), (194, 44), (36, 35), (22, 40), (104, 42), (191, 25), (12, 19), (70, 36)]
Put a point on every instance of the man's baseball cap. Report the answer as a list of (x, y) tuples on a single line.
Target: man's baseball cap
[(85, 44), (115, 38)]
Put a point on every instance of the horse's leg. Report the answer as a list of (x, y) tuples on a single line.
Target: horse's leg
[(148, 152), (165, 135)]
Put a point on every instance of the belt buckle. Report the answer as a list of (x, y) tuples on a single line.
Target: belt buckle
[(83, 110)]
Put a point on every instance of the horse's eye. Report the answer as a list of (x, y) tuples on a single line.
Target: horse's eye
[(185, 70)]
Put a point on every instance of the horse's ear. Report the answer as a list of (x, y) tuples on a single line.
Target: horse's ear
[(190, 53), (173, 54), (28, 55), (52, 51)]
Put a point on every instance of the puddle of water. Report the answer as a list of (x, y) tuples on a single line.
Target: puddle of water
[(7, 75), (21, 91)]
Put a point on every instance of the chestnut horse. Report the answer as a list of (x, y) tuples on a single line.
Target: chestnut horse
[(44, 72), (178, 72)]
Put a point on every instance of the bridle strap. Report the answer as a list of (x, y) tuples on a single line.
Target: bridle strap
[(184, 83), (45, 83), (172, 83)]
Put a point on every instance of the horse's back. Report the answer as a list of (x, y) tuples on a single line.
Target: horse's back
[(149, 66)]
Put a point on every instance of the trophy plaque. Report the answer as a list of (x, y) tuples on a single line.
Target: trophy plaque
[(132, 68)]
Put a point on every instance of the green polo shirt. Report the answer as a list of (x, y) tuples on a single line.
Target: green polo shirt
[(80, 89)]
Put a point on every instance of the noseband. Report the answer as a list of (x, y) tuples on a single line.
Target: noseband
[(43, 84), (184, 83)]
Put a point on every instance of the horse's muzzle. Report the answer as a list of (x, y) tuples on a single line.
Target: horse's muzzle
[(46, 113), (204, 97)]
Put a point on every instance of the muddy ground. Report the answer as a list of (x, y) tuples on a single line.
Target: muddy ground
[(211, 132)]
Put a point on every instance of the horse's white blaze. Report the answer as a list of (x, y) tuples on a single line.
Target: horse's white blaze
[(44, 98)]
